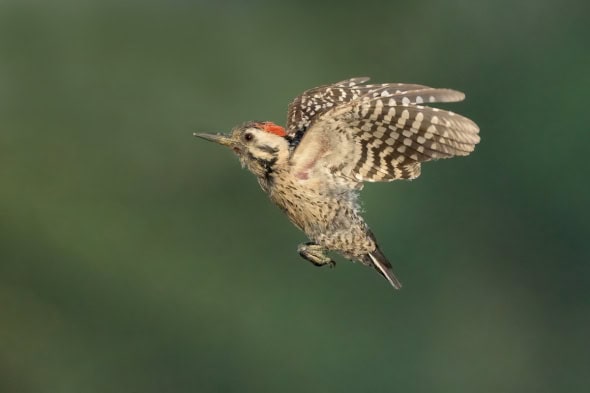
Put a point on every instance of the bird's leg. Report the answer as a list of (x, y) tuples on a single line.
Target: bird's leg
[(314, 253)]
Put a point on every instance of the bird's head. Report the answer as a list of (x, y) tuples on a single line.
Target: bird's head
[(260, 146)]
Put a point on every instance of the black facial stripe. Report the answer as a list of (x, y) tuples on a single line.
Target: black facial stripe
[(269, 149), (269, 167)]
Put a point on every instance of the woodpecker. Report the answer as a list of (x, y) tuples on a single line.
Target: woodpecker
[(336, 138)]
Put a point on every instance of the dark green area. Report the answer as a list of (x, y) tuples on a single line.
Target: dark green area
[(136, 258)]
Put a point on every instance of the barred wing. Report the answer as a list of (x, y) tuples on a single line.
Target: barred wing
[(314, 102), (384, 138)]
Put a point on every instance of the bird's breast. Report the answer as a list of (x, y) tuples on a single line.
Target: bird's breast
[(313, 208)]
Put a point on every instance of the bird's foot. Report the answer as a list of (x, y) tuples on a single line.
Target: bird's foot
[(315, 254)]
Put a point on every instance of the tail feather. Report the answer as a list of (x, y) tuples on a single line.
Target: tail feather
[(382, 265)]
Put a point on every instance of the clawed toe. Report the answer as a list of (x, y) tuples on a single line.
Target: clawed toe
[(315, 254)]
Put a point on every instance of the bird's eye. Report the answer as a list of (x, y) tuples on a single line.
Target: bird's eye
[(248, 136)]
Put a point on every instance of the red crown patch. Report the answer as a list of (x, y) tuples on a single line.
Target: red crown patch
[(273, 128)]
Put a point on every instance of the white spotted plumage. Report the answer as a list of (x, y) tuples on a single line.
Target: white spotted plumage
[(366, 113)]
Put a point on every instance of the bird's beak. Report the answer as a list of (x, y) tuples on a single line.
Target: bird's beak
[(221, 139)]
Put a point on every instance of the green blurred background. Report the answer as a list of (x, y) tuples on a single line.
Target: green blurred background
[(136, 258)]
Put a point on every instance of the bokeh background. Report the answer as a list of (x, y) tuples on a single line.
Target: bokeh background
[(136, 258)]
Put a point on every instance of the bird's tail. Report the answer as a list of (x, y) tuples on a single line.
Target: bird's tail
[(382, 265)]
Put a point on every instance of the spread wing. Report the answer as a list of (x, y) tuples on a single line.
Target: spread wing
[(384, 135), (314, 102)]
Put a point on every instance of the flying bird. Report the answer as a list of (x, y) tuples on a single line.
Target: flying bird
[(337, 137)]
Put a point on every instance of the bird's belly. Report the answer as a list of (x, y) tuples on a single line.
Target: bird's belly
[(331, 221)]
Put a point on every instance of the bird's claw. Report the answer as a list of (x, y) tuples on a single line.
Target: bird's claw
[(315, 254)]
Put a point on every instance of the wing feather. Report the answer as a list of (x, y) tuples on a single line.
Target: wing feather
[(314, 102), (384, 137)]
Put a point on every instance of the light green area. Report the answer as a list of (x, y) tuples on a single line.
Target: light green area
[(136, 258)]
